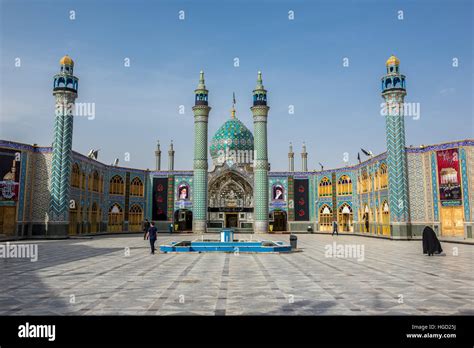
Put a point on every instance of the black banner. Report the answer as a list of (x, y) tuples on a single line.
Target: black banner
[(301, 200), (160, 199)]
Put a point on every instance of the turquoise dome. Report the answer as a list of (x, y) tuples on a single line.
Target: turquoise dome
[(232, 135)]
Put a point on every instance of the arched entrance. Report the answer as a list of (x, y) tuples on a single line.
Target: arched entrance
[(230, 200), (365, 219), (183, 220), (74, 219), (279, 220), (94, 218), (135, 218), (115, 218), (385, 219), (325, 218), (345, 218), (7, 220)]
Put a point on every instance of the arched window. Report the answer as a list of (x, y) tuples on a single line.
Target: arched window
[(117, 186), (94, 181), (135, 218), (101, 183), (136, 187), (74, 218), (94, 218), (383, 176), (385, 219), (345, 218), (325, 187), (115, 218), (76, 176), (344, 186), (365, 184), (325, 218)]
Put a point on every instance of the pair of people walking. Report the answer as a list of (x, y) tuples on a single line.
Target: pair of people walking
[(150, 234)]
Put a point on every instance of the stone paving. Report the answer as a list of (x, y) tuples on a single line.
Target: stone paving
[(116, 275)]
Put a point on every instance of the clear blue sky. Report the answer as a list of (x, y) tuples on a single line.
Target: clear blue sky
[(337, 109)]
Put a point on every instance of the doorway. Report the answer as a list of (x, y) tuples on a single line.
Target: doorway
[(279, 221), (231, 220), (452, 221), (183, 220), (7, 220)]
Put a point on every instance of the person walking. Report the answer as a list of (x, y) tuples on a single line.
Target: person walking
[(146, 227), (334, 228), (151, 235)]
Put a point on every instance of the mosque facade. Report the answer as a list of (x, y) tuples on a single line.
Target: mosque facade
[(50, 192)]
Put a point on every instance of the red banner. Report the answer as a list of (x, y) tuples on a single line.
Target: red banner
[(449, 177)]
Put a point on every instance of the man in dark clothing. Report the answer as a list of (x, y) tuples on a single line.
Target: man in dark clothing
[(334, 228), (146, 227), (152, 236), (431, 244)]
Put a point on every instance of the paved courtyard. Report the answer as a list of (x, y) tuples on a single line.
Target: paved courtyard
[(116, 275)]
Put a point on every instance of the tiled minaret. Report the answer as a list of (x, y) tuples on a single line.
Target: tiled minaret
[(393, 91), (158, 156), (260, 165), (291, 159), (65, 93), (171, 157), (201, 116), (304, 159)]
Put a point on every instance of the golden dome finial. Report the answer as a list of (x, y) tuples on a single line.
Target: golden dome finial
[(392, 61), (66, 60)]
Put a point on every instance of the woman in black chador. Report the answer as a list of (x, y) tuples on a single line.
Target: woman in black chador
[(431, 244)]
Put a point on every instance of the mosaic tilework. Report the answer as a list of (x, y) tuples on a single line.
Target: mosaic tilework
[(396, 159), (260, 163), (434, 186), (41, 186), (470, 177), (201, 114), (416, 187), (465, 185), (21, 193), (428, 187)]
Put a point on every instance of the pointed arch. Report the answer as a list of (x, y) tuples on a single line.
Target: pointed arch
[(117, 185), (344, 186), (115, 218), (325, 218), (325, 187), (136, 187)]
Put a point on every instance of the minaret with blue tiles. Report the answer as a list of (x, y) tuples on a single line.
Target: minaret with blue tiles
[(65, 92), (394, 91), (260, 162), (201, 111)]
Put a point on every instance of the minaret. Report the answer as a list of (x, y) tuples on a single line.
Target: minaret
[(171, 157), (291, 159), (65, 92), (304, 159), (201, 116), (158, 156), (393, 91), (260, 165)]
